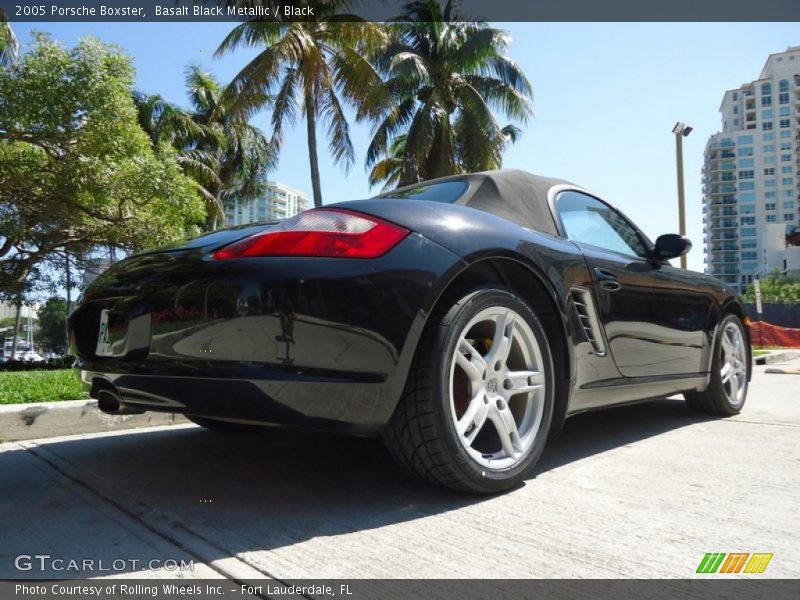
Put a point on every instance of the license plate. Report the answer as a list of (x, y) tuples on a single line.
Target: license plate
[(112, 334), (103, 342)]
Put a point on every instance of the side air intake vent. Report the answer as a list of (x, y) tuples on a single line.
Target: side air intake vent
[(584, 304)]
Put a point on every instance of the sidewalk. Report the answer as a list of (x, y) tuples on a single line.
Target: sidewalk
[(789, 366)]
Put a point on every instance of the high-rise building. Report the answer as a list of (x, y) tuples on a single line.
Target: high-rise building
[(279, 202), (751, 177)]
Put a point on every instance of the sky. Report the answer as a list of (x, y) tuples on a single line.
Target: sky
[(606, 97)]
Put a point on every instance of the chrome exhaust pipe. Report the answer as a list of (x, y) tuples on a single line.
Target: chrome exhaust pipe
[(109, 400)]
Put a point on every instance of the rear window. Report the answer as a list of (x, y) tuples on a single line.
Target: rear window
[(446, 191)]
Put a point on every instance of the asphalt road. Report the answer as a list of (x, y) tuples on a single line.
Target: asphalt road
[(642, 491)]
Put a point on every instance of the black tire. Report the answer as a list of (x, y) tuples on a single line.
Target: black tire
[(716, 398), (422, 436), (223, 426)]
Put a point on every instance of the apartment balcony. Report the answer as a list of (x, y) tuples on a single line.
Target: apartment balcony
[(716, 154), (726, 270), (724, 225), (722, 168)]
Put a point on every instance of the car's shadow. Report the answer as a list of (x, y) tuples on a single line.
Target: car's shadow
[(255, 492)]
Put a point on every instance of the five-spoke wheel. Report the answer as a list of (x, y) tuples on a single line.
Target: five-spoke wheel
[(497, 387), (730, 372), (479, 399)]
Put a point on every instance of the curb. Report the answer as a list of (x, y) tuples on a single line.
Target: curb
[(776, 357), (71, 417), (783, 370)]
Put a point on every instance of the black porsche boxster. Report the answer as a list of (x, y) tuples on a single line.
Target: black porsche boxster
[(463, 319)]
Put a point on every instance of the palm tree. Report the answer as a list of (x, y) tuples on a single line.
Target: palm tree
[(9, 45), (310, 67), (446, 76), (226, 156)]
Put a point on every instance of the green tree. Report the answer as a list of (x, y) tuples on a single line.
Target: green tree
[(776, 288), (225, 155), (446, 76), (9, 45), (311, 67), (51, 334), (76, 170)]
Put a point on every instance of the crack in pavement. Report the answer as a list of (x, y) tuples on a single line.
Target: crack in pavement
[(237, 573)]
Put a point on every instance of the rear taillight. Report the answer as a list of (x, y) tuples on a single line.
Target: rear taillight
[(323, 232)]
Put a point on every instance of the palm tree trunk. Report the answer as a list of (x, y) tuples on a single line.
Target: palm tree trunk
[(68, 272), (311, 125), (15, 339)]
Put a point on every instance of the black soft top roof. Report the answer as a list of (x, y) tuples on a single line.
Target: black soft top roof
[(512, 194)]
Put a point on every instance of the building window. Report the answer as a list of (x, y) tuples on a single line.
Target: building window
[(748, 174), (786, 193), (747, 197), (766, 88), (766, 113), (745, 163), (749, 244), (747, 220), (766, 125), (785, 133), (783, 111), (769, 206), (771, 219), (788, 205), (786, 145), (746, 151), (748, 208), (770, 194), (788, 217), (769, 160), (786, 158), (768, 137), (766, 100), (747, 185), (744, 140), (787, 181), (748, 232), (769, 171), (783, 98), (749, 256), (783, 123), (786, 169), (769, 148)]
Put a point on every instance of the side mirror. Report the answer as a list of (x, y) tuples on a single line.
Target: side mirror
[(671, 245)]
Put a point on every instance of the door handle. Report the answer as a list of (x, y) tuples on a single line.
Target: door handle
[(608, 281)]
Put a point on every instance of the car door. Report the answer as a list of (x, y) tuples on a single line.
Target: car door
[(653, 315)]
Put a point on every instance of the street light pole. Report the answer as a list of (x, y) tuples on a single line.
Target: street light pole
[(681, 130)]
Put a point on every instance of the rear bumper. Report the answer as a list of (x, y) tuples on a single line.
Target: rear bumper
[(263, 397), (322, 343)]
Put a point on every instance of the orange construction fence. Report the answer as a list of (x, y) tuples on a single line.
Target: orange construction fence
[(766, 334)]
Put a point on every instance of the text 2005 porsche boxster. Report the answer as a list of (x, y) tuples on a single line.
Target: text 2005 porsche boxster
[(462, 318)]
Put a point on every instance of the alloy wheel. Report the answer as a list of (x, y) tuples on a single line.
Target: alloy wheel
[(497, 388), (733, 371)]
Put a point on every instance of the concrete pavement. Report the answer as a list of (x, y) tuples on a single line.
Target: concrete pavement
[(640, 491)]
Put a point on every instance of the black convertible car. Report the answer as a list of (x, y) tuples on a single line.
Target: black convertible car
[(463, 319)]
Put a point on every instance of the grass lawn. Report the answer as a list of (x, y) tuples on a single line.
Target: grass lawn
[(19, 387)]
